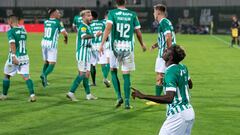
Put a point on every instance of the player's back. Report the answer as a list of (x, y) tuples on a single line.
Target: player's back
[(19, 36), (52, 28), (177, 76), (124, 22)]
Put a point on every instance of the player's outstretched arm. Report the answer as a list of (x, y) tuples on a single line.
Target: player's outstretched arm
[(165, 99), (154, 46), (139, 36), (65, 34)]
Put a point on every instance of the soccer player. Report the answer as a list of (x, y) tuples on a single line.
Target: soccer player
[(76, 22), (18, 60), (235, 31), (166, 38), (122, 23), (180, 113), (96, 26), (52, 28), (83, 54)]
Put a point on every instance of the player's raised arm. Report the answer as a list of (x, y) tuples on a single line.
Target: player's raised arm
[(165, 99)]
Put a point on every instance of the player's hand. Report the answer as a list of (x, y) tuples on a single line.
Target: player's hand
[(15, 61), (144, 48), (101, 50), (152, 48), (137, 94), (65, 40), (99, 33)]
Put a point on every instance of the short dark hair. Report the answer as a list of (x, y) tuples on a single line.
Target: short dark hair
[(50, 11), (178, 53), (94, 14), (160, 7), (120, 2), (13, 18), (106, 13)]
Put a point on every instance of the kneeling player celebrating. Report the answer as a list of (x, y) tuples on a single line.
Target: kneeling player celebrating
[(180, 114), (83, 54), (18, 60)]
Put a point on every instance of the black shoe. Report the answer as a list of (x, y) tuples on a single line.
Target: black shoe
[(44, 81), (119, 102)]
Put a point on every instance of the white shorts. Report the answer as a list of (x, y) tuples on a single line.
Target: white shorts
[(107, 53), (96, 58), (11, 69), (179, 124), (49, 54), (160, 66), (127, 62), (83, 66)]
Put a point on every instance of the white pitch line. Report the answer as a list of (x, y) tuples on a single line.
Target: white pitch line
[(225, 42)]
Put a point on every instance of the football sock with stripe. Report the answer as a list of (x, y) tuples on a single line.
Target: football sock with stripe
[(29, 83), (116, 84), (76, 82), (127, 84), (6, 84)]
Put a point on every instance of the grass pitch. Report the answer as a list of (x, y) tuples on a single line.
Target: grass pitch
[(214, 69)]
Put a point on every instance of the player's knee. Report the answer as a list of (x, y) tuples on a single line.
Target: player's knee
[(6, 77), (25, 76), (159, 80), (113, 69)]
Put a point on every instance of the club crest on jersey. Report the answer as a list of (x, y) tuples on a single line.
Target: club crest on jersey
[(61, 24), (83, 29)]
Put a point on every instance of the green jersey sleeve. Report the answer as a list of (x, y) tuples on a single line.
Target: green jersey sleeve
[(61, 27), (11, 38), (170, 81), (83, 30), (136, 23), (166, 27), (110, 18)]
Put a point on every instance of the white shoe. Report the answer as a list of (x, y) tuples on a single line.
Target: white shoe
[(32, 98), (3, 97), (71, 97), (91, 97)]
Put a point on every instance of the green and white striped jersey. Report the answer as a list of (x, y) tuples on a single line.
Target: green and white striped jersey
[(84, 45), (176, 79), (52, 28), (124, 22), (77, 21), (164, 27), (97, 25), (18, 35)]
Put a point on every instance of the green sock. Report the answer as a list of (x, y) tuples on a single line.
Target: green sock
[(76, 82), (86, 85), (107, 66), (6, 84), (93, 74), (29, 83), (159, 89), (104, 71), (116, 84), (49, 69), (45, 66), (127, 84)]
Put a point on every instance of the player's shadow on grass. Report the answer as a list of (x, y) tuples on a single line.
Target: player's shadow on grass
[(82, 123)]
